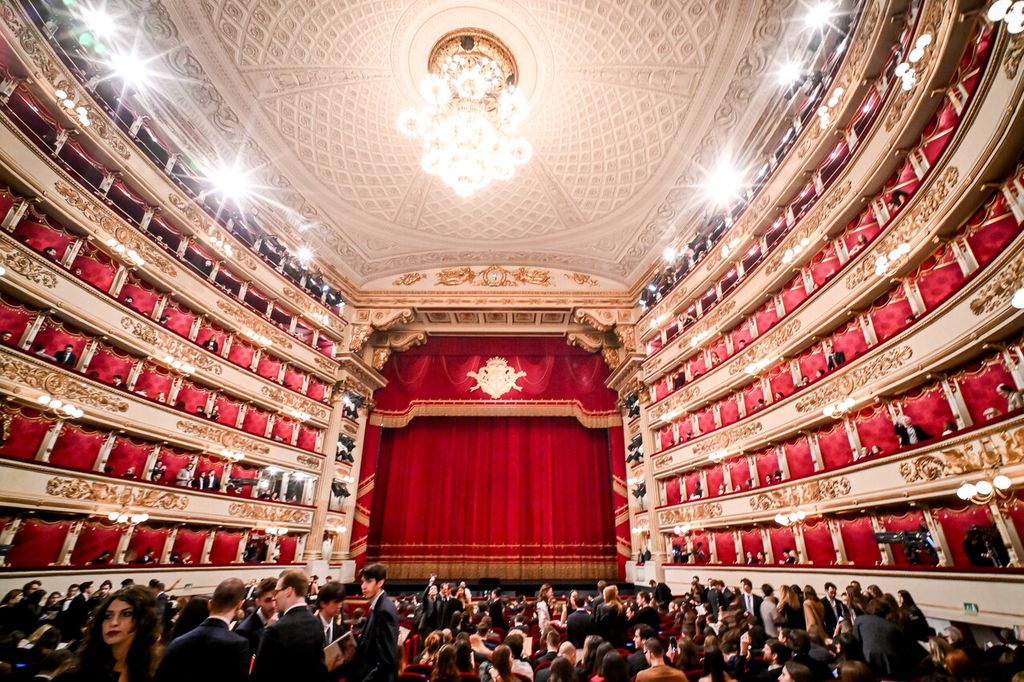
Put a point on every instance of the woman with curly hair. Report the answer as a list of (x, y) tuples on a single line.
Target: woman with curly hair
[(121, 640)]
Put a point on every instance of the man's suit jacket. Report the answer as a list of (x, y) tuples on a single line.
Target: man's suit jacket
[(74, 618), (636, 662), (377, 648), (756, 610), (835, 359), (66, 358), (252, 629), (832, 615), (882, 644), (496, 610), (209, 653), (647, 615), (577, 627), (663, 594), (291, 649)]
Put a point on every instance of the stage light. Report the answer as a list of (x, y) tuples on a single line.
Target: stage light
[(669, 254), (789, 73), (130, 69), (724, 183), (229, 181), (98, 21), (818, 15), (304, 254)]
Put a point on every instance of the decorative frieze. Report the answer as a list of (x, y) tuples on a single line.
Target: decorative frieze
[(808, 228), (127, 495), (309, 462), (166, 343), (770, 344), (999, 290), (270, 514), (15, 260), (1004, 449), (693, 513), (59, 384), (847, 383), (792, 496), (729, 436), (223, 437)]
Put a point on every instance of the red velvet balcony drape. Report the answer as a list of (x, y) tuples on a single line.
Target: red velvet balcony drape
[(515, 498)]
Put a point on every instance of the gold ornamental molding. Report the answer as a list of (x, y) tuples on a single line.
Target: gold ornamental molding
[(694, 513), (309, 462), (380, 358), (721, 440), (662, 462), (496, 408), (295, 401), (99, 215), (1001, 449), (599, 319), (15, 260), (166, 343), (408, 279), (263, 512), (675, 402), (496, 378), (808, 229), (908, 228), (849, 382), (250, 321), (58, 384), (1014, 55), (78, 489), (360, 335), (770, 343), (579, 279), (397, 341), (798, 495), (999, 290), (223, 437), (493, 276)]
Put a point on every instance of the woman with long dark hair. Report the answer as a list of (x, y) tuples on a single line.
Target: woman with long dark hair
[(445, 669), (121, 640), (915, 625)]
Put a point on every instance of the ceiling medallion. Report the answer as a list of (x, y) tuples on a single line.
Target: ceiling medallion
[(496, 378), (473, 109)]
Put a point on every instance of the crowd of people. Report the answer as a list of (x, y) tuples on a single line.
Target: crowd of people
[(293, 627)]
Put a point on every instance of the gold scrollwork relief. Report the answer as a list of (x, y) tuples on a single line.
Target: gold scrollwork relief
[(797, 495), (78, 489), (847, 383), (168, 344), (57, 384), (675, 402), (227, 439), (493, 276), (999, 290), (722, 440), (970, 458), (288, 399), (689, 514), (250, 321), (17, 261), (408, 279), (309, 462), (770, 343), (579, 279), (259, 512)]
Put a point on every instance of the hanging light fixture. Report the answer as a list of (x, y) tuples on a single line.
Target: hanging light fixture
[(474, 106)]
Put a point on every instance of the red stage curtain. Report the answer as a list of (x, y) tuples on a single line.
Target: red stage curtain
[(978, 386), (26, 433), (834, 444), (725, 545), (127, 453), (859, 541), (37, 543), (225, 547), (286, 545), (955, 524), (77, 447), (798, 457), (95, 538), (520, 498), (189, 542), (818, 541), (145, 539)]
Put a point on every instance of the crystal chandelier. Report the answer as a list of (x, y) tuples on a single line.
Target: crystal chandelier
[(474, 107)]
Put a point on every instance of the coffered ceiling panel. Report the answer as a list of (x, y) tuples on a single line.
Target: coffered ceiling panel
[(624, 97)]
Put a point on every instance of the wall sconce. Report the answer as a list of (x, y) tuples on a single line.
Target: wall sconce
[(131, 254), (790, 519), (60, 406)]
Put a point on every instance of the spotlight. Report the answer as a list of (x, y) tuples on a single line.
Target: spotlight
[(818, 15), (724, 184), (304, 254), (130, 69), (99, 22), (229, 181), (789, 73), (669, 254)]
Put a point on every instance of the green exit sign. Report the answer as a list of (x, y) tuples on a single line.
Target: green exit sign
[(970, 608)]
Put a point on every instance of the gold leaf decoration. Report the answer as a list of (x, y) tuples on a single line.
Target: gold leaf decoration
[(58, 383), (496, 378), (846, 383), (797, 495), (309, 462), (17, 261), (79, 489), (998, 291), (165, 343), (580, 279), (694, 513), (731, 436), (408, 279), (223, 437), (268, 513), (493, 276)]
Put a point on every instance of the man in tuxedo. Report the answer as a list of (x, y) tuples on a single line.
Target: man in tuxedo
[(67, 356), (292, 648), (376, 658), (210, 652), (835, 359), (252, 628), (750, 602), (76, 613), (578, 624), (447, 605), (662, 592), (718, 597), (328, 606), (834, 608), (496, 610)]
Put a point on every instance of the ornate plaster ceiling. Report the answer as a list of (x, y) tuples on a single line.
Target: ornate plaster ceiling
[(629, 99)]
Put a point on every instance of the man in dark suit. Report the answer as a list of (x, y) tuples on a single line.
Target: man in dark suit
[(835, 359), (252, 628), (376, 658), (637, 660), (750, 602), (662, 593), (578, 624), (210, 652), (645, 612), (834, 608), (67, 356), (292, 648), (328, 608), (496, 610), (76, 614), (447, 605)]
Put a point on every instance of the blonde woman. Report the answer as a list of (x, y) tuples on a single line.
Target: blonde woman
[(611, 622)]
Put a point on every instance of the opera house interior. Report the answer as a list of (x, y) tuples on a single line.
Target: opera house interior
[(651, 292)]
